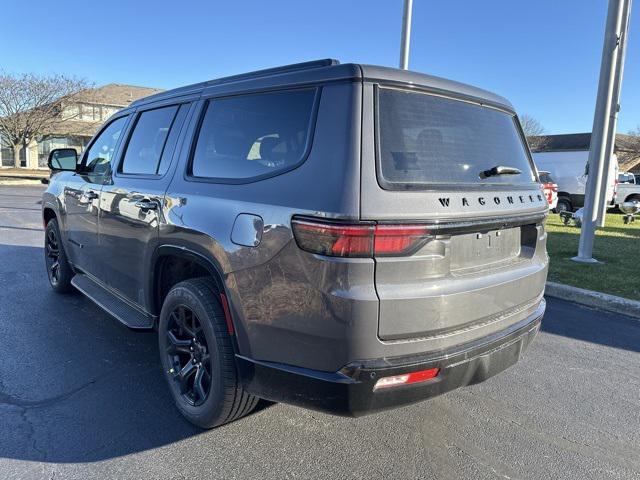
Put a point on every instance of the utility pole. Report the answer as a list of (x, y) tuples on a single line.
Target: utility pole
[(406, 34), (613, 117), (609, 70)]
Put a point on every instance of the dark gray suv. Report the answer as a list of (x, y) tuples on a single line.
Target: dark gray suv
[(347, 238)]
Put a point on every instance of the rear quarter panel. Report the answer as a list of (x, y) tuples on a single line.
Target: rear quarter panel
[(279, 302)]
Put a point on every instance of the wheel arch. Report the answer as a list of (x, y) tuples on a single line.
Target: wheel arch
[(48, 214), (199, 265)]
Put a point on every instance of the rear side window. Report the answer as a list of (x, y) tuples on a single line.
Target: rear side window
[(148, 140), (426, 140), (253, 136), (545, 177)]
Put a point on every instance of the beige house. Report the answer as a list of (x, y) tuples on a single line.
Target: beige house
[(79, 122)]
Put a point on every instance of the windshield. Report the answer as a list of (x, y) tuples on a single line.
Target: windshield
[(427, 140)]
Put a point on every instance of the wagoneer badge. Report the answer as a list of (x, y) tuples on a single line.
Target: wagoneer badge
[(510, 199)]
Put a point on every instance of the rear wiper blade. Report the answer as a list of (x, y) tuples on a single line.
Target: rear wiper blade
[(500, 170)]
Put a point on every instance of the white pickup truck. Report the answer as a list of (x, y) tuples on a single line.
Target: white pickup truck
[(627, 188)]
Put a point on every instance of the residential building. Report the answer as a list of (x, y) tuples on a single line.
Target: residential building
[(79, 121)]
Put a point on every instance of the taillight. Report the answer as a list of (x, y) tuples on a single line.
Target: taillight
[(358, 239)]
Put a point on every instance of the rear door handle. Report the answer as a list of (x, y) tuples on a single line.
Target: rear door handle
[(147, 205)]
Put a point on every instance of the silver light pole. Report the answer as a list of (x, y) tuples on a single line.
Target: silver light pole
[(406, 34), (597, 151), (613, 117)]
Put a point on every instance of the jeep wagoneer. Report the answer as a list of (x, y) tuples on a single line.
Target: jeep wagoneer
[(347, 238)]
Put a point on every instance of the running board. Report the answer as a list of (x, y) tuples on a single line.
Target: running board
[(113, 305)]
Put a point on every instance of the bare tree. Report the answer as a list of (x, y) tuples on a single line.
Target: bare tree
[(533, 130), (628, 149), (30, 104), (531, 126)]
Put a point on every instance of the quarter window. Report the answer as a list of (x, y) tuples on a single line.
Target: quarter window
[(253, 136), (148, 141)]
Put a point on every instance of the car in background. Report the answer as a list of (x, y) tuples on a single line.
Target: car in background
[(569, 169), (550, 189), (627, 188)]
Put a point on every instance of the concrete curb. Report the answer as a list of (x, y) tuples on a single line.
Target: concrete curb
[(19, 181), (600, 301)]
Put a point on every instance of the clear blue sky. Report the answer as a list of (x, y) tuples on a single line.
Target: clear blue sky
[(543, 55)]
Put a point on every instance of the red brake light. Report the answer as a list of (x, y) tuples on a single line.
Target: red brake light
[(398, 239), (358, 240), (334, 240), (406, 378)]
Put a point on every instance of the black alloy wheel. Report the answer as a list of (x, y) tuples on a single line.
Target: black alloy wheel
[(188, 353), (198, 355), (59, 271), (52, 256)]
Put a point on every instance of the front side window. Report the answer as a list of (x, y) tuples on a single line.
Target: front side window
[(98, 157), (426, 140), (148, 140), (253, 136)]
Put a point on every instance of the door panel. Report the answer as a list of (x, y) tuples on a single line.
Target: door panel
[(81, 200), (131, 204), (82, 196)]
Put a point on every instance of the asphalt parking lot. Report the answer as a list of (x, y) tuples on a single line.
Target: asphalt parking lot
[(83, 397)]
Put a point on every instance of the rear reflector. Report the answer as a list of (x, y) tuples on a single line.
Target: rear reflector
[(359, 239), (406, 378)]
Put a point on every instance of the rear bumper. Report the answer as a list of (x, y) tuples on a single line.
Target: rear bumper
[(350, 390)]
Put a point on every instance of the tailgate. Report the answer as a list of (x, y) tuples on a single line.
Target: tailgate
[(464, 170), (464, 277)]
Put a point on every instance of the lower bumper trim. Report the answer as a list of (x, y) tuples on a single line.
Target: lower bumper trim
[(350, 391)]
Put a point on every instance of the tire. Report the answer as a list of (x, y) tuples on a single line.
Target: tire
[(564, 205), (193, 335), (59, 271)]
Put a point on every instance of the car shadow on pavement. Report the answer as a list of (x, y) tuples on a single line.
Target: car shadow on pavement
[(75, 385), (613, 330)]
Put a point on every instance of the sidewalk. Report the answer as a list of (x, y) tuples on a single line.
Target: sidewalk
[(23, 173)]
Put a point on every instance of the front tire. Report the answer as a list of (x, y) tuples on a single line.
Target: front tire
[(59, 271), (197, 356)]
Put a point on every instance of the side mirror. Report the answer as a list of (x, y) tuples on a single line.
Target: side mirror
[(63, 159)]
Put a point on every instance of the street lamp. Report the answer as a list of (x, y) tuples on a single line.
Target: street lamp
[(603, 121), (406, 34)]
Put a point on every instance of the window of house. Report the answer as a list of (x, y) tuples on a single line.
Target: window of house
[(107, 111), (6, 152), (255, 135), (71, 112), (148, 140), (48, 143)]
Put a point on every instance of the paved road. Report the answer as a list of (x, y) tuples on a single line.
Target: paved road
[(83, 397)]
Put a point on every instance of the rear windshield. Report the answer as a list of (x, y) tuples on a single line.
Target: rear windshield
[(428, 140)]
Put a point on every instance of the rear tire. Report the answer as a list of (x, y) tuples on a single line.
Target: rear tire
[(198, 358), (564, 205), (59, 271)]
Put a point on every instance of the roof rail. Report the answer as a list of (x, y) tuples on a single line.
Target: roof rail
[(294, 67), (327, 62)]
